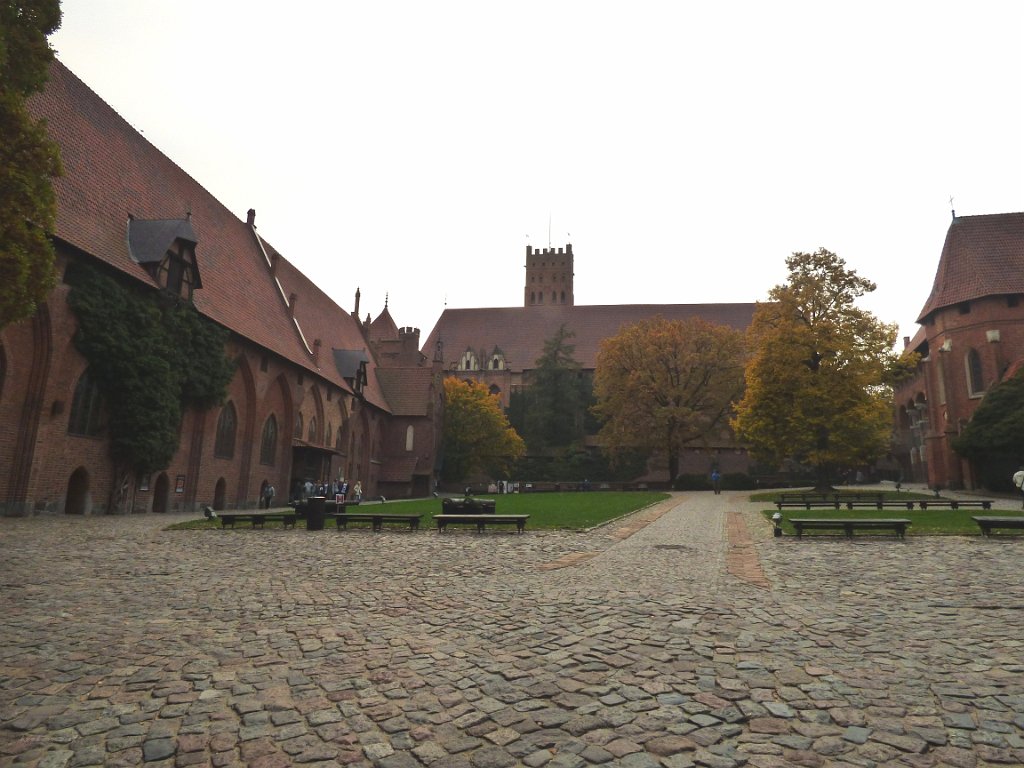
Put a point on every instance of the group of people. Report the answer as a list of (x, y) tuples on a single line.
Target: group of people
[(337, 489)]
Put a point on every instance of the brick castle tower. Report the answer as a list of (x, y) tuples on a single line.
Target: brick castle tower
[(548, 277)]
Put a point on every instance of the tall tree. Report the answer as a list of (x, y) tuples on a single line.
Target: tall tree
[(476, 435), (661, 384), (29, 160), (556, 396), (816, 383)]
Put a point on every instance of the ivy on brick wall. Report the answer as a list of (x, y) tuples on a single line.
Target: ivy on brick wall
[(152, 356)]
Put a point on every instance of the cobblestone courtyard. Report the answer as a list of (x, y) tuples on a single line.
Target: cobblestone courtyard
[(684, 635)]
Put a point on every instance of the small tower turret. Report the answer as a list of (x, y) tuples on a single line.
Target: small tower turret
[(549, 273)]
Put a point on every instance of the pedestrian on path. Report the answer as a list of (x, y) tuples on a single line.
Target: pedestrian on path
[(1018, 480), (716, 481)]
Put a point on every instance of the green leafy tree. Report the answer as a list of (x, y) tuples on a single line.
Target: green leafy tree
[(993, 439), (151, 357), (817, 390), (556, 396), (29, 160), (662, 384), (477, 436)]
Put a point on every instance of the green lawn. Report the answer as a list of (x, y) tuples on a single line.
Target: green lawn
[(574, 511), (931, 522)]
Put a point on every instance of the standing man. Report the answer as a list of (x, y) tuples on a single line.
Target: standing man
[(1018, 480), (268, 496), (716, 481)]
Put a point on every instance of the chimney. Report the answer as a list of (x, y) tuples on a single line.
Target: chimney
[(250, 217), (906, 342), (355, 312), (273, 263)]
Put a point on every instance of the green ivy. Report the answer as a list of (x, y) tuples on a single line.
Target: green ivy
[(151, 357)]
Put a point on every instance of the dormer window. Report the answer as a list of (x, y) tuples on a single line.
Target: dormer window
[(166, 249), (177, 272), (468, 361)]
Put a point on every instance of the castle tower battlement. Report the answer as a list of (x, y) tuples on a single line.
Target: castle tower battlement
[(549, 273)]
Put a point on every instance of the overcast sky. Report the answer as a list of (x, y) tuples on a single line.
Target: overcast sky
[(413, 149)]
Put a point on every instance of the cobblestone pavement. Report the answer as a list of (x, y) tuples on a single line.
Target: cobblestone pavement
[(685, 635)]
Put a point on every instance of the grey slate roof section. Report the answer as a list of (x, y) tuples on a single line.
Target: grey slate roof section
[(149, 239), (347, 361)]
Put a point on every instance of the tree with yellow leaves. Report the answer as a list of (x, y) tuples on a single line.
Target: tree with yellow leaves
[(662, 384), (817, 388), (477, 436)]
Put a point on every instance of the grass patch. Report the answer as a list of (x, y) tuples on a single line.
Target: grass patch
[(572, 511), (930, 522)]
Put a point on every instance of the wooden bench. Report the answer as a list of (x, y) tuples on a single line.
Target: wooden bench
[(481, 521), (257, 519), (988, 524), (376, 519), (881, 504), (897, 524), (956, 503)]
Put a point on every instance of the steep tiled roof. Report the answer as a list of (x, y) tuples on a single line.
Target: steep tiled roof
[(111, 171), (407, 389), (520, 332), (982, 256), (384, 327)]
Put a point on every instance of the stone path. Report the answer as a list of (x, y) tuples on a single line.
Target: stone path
[(685, 635)]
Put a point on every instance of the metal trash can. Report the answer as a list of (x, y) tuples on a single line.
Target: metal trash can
[(315, 513)]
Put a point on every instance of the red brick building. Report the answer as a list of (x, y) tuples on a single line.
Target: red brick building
[(317, 394), (971, 335), (500, 346)]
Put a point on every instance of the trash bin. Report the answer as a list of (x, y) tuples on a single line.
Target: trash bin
[(315, 513)]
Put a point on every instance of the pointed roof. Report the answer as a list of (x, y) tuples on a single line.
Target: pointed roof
[(111, 171), (520, 332), (384, 327), (982, 256)]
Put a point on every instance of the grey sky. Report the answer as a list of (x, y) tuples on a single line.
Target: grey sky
[(411, 148)]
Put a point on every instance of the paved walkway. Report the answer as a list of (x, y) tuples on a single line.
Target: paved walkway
[(683, 636)]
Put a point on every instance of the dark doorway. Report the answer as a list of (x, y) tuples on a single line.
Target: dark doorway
[(161, 491), (78, 492), (218, 494)]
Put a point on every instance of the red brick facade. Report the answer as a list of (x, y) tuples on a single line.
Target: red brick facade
[(972, 332), (307, 372)]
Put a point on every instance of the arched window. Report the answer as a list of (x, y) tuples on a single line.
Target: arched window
[(297, 434), (494, 389), (268, 443), (224, 445), (86, 408), (975, 377), (410, 434), (312, 430), (338, 440), (3, 370)]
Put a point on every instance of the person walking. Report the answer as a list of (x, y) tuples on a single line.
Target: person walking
[(1018, 480), (716, 481)]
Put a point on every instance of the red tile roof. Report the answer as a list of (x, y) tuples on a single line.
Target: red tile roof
[(408, 389), (982, 256), (520, 332), (111, 171)]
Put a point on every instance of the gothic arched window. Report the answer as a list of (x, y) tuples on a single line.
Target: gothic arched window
[(268, 443), (224, 445), (975, 377), (86, 408)]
